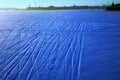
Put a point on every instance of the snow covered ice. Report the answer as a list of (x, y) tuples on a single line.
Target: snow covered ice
[(60, 45)]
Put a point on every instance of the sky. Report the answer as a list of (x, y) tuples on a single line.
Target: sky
[(26, 3)]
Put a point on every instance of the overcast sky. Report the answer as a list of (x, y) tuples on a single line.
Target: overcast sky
[(25, 3)]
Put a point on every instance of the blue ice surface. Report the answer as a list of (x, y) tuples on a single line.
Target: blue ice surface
[(60, 45)]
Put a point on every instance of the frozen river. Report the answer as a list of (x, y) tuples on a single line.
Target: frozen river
[(60, 45)]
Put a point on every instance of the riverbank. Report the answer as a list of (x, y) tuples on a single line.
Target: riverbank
[(113, 7), (63, 7)]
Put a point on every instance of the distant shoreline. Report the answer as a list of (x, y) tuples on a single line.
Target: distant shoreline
[(12, 9), (73, 7), (55, 8), (113, 7), (63, 7)]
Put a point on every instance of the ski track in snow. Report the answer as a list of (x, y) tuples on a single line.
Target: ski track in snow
[(60, 45)]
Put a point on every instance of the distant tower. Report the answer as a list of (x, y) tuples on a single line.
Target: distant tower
[(112, 2), (29, 6)]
